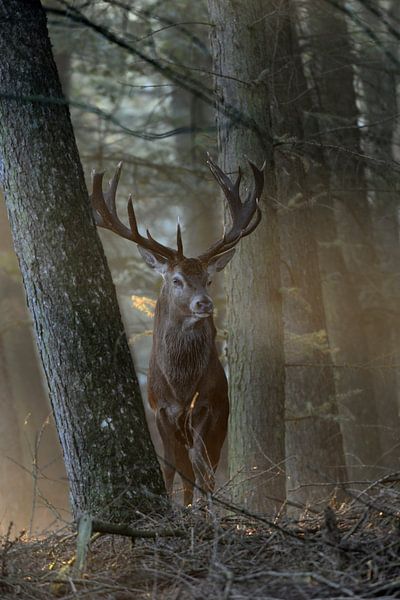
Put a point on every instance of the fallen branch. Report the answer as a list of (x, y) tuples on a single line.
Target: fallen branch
[(132, 532)]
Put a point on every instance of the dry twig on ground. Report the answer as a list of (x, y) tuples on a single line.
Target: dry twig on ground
[(347, 552)]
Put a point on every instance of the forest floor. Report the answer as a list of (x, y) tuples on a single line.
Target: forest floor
[(350, 551)]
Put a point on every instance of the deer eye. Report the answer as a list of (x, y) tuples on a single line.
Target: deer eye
[(177, 282), (209, 283)]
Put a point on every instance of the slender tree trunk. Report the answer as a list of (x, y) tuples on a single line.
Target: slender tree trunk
[(356, 401), (357, 406), (255, 346), (314, 445), (334, 76), (111, 465), (379, 101)]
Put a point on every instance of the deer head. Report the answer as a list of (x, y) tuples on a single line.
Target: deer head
[(186, 280)]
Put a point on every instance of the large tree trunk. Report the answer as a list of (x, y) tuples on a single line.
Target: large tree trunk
[(111, 465), (255, 346)]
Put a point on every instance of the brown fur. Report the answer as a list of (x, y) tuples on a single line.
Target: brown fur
[(187, 388)]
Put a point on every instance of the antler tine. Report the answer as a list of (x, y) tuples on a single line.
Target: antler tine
[(133, 222), (230, 189), (105, 214), (95, 198), (146, 242), (252, 201), (258, 175), (158, 248), (241, 213), (245, 216), (110, 195), (104, 206), (179, 243)]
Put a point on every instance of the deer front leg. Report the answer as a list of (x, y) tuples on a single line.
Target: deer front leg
[(200, 458), (203, 470), (166, 431), (185, 470)]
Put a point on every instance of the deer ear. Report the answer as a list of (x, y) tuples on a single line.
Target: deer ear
[(154, 261), (219, 262)]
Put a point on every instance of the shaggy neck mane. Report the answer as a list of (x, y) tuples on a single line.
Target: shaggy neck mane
[(184, 353)]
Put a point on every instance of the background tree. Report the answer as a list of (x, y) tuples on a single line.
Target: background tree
[(357, 407), (110, 462), (314, 442), (254, 317), (368, 337), (377, 84), (268, 60)]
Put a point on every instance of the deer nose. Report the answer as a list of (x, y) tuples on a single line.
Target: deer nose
[(202, 305)]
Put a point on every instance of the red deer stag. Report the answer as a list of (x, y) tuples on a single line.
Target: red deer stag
[(187, 386)]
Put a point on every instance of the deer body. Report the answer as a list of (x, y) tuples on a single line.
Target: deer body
[(188, 391), (187, 386)]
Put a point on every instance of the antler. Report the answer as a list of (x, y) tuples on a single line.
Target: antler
[(105, 215), (241, 213)]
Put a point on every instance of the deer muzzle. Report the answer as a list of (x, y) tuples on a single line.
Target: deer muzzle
[(201, 306)]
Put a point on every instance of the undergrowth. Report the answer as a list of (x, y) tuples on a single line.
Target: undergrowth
[(347, 551)]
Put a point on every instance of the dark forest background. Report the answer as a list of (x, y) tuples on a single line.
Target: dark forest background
[(140, 80)]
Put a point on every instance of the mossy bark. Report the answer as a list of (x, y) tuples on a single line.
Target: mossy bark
[(111, 465)]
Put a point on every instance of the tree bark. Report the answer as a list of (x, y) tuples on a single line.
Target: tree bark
[(111, 465), (255, 342)]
